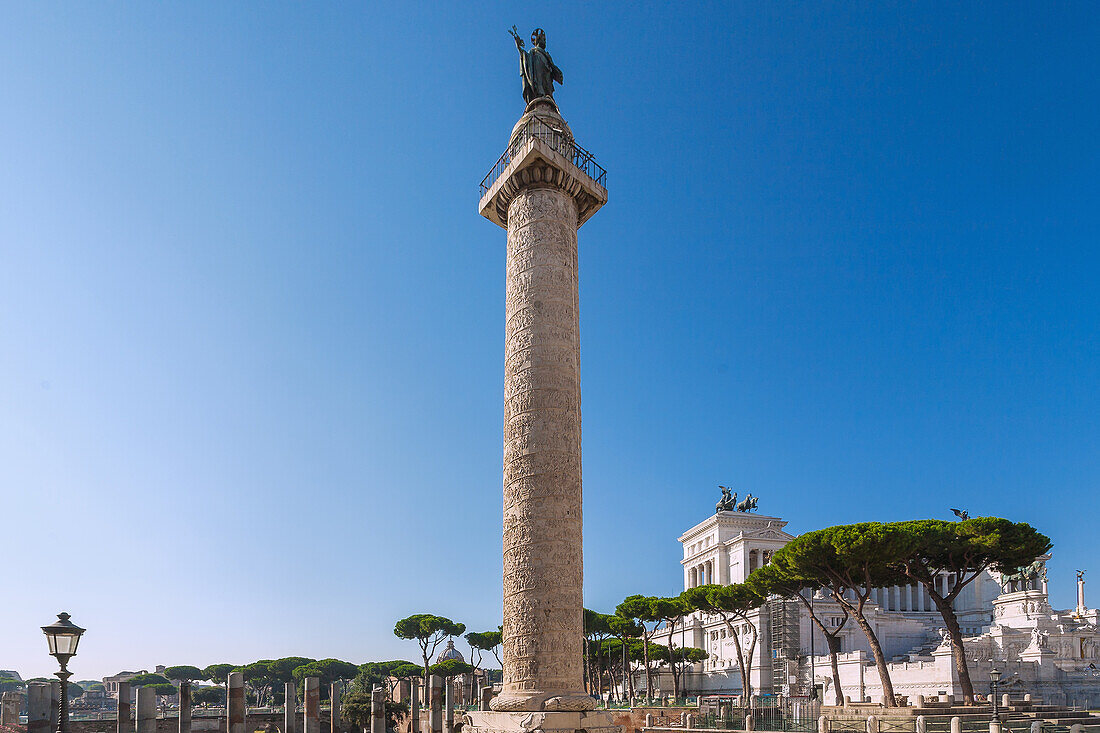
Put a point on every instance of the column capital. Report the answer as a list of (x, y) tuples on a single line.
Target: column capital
[(542, 153)]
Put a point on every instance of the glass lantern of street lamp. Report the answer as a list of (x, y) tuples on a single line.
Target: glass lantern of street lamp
[(63, 636), (994, 674)]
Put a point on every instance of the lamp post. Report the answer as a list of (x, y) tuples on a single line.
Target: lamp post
[(63, 637), (994, 676)]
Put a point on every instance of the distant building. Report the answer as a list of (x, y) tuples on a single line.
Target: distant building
[(1049, 653), (449, 652), (110, 684)]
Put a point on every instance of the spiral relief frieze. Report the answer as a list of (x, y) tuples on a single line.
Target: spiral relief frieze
[(542, 456)]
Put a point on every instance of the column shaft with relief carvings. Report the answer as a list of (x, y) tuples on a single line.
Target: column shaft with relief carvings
[(541, 191), (543, 575)]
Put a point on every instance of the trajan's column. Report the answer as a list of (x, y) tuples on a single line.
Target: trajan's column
[(541, 190)]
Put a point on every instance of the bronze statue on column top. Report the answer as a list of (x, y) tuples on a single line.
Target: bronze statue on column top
[(536, 67)]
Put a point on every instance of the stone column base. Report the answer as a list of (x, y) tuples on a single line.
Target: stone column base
[(492, 721)]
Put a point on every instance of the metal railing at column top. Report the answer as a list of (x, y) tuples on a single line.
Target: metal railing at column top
[(558, 140)]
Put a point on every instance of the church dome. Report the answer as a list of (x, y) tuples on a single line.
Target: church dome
[(449, 653)]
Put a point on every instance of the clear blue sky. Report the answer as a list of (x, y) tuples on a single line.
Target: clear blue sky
[(251, 325)]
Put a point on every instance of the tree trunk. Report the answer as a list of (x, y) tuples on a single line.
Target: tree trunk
[(672, 664), (834, 648), (648, 672), (621, 692), (589, 667), (610, 676), (745, 690), (833, 641), (604, 673), (676, 670), (958, 651), (427, 693), (630, 678), (594, 668), (752, 650), (880, 661), (597, 674), (586, 674), (623, 640)]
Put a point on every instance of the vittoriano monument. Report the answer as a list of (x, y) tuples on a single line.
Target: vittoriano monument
[(541, 190)]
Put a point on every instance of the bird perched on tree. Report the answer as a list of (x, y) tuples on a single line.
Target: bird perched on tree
[(961, 514)]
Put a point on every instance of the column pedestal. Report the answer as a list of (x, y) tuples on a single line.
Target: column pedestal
[(591, 721)]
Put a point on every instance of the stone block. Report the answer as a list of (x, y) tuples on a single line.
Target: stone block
[(311, 718), (185, 707), (435, 704), (414, 706), (336, 724), (10, 703), (38, 707), (125, 723), (290, 707), (448, 706), (378, 710), (146, 710), (234, 703)]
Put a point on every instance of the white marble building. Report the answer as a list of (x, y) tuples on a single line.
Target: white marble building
[(1039, 650)]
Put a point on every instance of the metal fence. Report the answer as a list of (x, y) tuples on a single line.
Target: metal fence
[(558, 139), (196, 712), (728, 719), (786, 714)]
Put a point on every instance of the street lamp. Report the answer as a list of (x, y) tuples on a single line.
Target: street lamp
[(994, 676), (63, 636)]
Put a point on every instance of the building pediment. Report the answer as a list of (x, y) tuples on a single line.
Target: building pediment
[(769, 534), (730, 525)]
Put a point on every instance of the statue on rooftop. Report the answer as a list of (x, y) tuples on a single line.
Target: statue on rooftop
[(748, 504), (1029, 577), (536, 67), (727, 503)]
